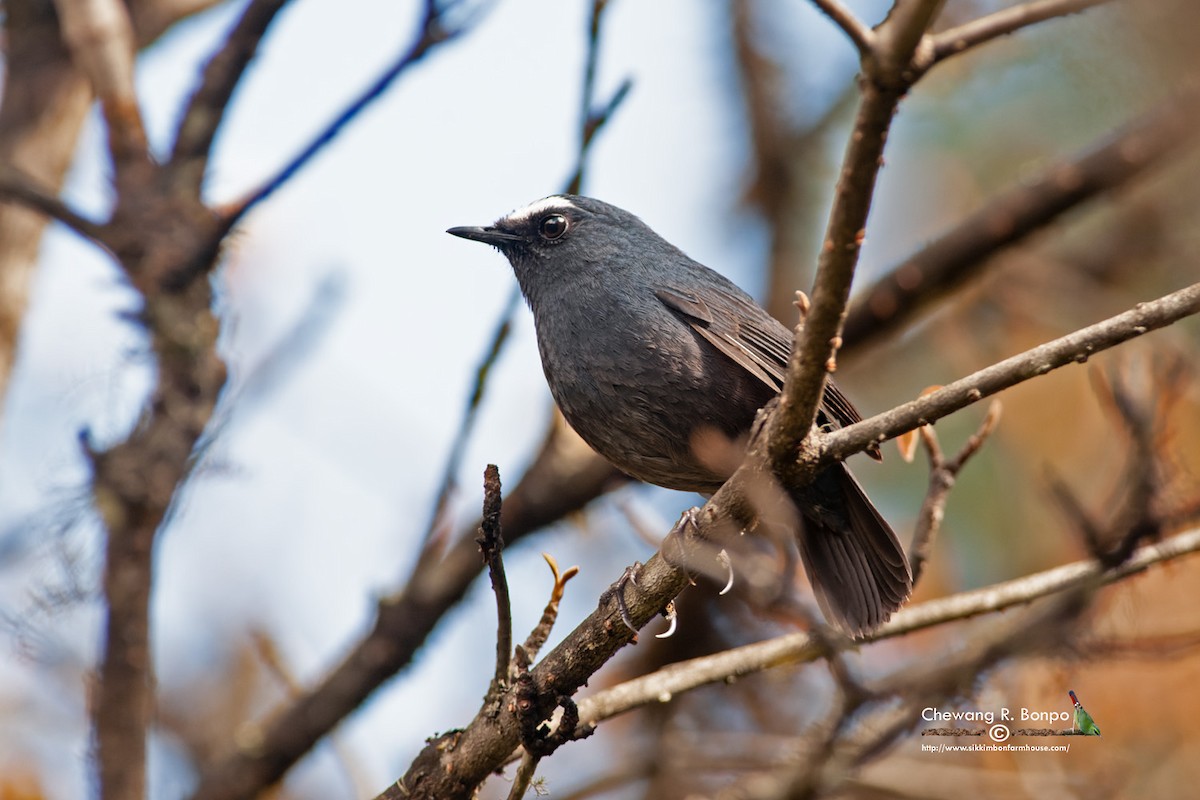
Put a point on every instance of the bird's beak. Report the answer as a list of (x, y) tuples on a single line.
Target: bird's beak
[(489, 235)]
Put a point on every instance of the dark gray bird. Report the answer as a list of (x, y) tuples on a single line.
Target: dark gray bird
[(645, 350)]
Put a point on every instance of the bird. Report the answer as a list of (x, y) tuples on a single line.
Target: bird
[(1083, 720), (648, 352)]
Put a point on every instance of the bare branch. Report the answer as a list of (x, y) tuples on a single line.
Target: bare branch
[(20, 188), (523, 777), (45, 101), (206, 109), (1012, 216), (433, 31), (815, 347), (462, 436), (100, 37), (801, 647), (862, 36), (1075, 347), (1001, 23), (784, 158), (593, 118), (1138, 400), (491, 543), (942, 476)]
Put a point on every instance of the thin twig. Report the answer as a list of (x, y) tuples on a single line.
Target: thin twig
[(902, 44), (942, 476), (523, 776), (1003, 22), (1142, 512), (19, 188), (462, 436), (210, 101), (592, 118), (433, 31), (862, 36), (491, 543), (1075, 347)]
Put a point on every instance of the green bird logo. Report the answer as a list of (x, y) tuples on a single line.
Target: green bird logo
[(1083, 720)]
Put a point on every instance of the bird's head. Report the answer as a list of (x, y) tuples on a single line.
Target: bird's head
[(568, 239)]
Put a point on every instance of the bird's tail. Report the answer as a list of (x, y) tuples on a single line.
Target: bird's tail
[(854, 562)]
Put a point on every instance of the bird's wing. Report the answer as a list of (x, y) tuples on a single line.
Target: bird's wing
[(756, 341), (738, 339)]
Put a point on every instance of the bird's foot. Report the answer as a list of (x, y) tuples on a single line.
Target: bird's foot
[(617, 591)]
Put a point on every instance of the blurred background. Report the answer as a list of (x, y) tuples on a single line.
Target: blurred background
[(353, 327)]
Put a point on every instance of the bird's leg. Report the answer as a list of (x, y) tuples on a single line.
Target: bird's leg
[(675, 546), (674, 552)]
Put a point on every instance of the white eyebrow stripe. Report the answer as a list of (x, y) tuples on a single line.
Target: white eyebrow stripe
[(539, 207)]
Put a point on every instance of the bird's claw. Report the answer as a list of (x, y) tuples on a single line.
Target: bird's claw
[(673, 620), (723, 558), (629, 576)]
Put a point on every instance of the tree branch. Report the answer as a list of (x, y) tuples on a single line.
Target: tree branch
[(562, 671), (20, 188), (785, 155), (433, 31), (862, 36), (1001, 23), (206, 109), (100, 36), (942, 476), (794, 648), (815, 346), (45, 101), (960, 253), (491, 543), (902, 43), (1075, 347), (462, 437), (593, 118)]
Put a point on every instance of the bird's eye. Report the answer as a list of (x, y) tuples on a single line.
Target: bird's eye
[(552, 226)]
